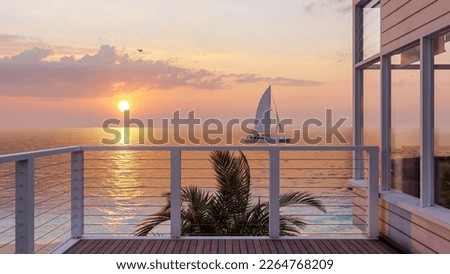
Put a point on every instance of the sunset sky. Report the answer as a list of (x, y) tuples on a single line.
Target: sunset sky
[(68, 63)]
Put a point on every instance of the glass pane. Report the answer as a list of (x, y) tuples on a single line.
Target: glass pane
[(371, 28), (442, 121), (371, 107), (405, 136)]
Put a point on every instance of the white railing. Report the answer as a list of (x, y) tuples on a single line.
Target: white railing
[(24, 227)]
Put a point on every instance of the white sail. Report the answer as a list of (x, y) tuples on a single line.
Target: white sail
[(262, 117)]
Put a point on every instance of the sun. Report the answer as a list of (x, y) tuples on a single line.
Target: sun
[(123, 105)]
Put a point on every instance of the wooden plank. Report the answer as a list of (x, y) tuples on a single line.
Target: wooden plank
[(215, 247), (200, 246), (316, 247), (243, 246), (192, 246), (100, 245), (279, 247), (73, 248), (331, 249), (92, 245), (388, 248), (185, 246), (409, 10), (403, 239), (358, 246), (121, 245), (105, 247), (235, 247), (155, 246), (258, 247), (337, 247), (265, 247), (391, 7), (228, 247), (391, 32), (322, 247), (415, 231), (162, 249), (301, 246), (127, 247), (250, 247), (294, 247), (309, 248), (343, 245), (178, 246), (139, 248), (272, 247), (370, 247), (204, 246), (111, 248), (207, 247), (171, 246), (135, 244), (286, 247), (96, 248), (83, 245)]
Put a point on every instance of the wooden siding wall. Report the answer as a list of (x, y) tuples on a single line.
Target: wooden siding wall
[(412, 232), (403, 21)]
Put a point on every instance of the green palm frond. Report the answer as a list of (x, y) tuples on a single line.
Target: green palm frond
[(154, 220), (300, 198), (229, 210)]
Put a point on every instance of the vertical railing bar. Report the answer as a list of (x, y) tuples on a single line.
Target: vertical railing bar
[(77, 194), (274, 193), (427, 123), (25, 206), (373, 194), (385, 122), (175, 192)]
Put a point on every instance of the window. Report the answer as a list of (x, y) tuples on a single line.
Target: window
[(405, 122), (441, 46), (371, 28)]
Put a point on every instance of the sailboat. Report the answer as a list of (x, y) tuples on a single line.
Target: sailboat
[(262, 132)]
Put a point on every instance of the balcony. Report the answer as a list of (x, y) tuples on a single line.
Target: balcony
[(91, 198)]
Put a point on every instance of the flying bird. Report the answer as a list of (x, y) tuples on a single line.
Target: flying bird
[(140, 50)]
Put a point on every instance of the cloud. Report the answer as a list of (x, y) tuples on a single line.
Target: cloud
[(106, 55), (253, 78), (34, 55), (340, 6), (106, 72)]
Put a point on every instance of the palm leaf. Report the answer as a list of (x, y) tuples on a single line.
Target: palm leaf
[(229, 211), (154, 220)]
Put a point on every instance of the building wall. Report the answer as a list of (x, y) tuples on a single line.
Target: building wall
[(402, 224), (403, 21), (412, 232)]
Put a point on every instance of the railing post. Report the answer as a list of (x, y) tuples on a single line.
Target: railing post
[(77, 194), (25, 206), (372, 201), (274, 193), (175, 193)]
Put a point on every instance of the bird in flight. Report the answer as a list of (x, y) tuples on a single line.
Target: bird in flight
[(140, 50)]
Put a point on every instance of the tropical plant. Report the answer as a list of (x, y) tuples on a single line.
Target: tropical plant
[(230, 211)]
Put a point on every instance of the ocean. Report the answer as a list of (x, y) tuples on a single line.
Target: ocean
[(123, 187)]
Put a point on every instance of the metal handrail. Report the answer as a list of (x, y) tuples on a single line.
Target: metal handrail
[(25, 181)]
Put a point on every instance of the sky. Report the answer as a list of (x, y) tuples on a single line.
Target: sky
[(69, 63)]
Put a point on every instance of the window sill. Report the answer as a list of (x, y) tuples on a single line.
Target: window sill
[(436, 214)]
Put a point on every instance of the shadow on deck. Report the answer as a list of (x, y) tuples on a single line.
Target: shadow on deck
[(231, 246)]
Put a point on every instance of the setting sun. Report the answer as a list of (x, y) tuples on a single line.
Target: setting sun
[(123, 105)]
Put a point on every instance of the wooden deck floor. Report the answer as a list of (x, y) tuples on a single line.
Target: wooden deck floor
[(238, 246)]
